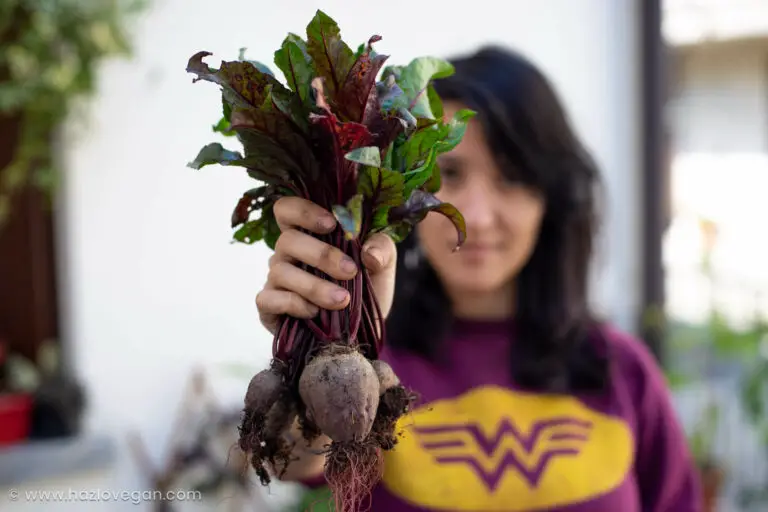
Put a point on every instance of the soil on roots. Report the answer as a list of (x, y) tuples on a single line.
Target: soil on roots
[(262, 438), (352, 470), (309, 431), (394, 404), (250, 442)]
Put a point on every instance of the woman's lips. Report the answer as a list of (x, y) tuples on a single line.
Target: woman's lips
[(478, 249)]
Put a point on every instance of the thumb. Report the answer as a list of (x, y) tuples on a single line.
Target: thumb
[(379, 256)]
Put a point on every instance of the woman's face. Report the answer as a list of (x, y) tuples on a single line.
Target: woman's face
[(502, 217)]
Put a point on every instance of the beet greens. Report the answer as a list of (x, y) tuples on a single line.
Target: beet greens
[(361, 141)]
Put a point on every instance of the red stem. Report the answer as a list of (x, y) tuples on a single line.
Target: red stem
[(292, 336), (277, 351), (357, 304), (378, 334)]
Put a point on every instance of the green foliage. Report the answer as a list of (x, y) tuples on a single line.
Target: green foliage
[(317, 500), (364, 148), (702, 438), (49, 59), (722, 341)]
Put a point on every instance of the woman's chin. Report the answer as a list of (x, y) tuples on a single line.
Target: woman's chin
[(478, 283)]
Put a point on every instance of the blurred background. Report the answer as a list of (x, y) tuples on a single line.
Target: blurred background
[(128, 330)]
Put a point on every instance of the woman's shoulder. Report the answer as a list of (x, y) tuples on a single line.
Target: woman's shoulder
[(631, 359), (625, 347)]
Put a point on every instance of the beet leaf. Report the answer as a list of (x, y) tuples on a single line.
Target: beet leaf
[(343, 131)]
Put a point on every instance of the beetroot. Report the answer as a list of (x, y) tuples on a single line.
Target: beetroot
[(341, 393), (386, 375), (264, 389), (361, 141)]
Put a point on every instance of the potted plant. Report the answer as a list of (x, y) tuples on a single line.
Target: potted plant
[(701, 439), (15, 403), (710, 470), (37, 399), (59, 397)]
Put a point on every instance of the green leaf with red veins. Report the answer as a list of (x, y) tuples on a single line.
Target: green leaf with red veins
[(385, 186), (253, 200), (357, 98), (258, 65), (297, 66), (418, 177), (414, 80), (367, 155), (263, 228), (455, 130), (242, 83), (250, 232), (435, 102), (332, 57), (419, 204)]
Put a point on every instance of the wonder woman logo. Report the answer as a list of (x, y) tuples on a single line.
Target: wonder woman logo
[(465, 454), (547, 440)]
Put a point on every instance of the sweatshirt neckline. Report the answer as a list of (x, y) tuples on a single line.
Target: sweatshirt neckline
[(465, 326)]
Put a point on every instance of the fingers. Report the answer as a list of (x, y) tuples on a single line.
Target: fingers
[(292, 291), (380, 258), (295, 212), (379, 253), (273, 303), (297, 246), (313, 290)]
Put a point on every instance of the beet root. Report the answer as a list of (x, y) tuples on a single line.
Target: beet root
[(264, 389), (352, 470), (341, 392), (275, 447), (394, 403), (386, 375), (267, 404)]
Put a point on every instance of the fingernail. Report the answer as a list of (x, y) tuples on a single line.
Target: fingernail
[(326, 222), (375, 253), (347, 265), (339, 295)]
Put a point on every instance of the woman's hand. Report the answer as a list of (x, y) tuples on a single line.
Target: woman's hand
[(292, 291)]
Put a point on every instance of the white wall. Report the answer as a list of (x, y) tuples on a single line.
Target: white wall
[(719, 118), (690, 22), (152, 284), (720, 103)]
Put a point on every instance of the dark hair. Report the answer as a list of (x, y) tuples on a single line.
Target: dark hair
[(558, 345)]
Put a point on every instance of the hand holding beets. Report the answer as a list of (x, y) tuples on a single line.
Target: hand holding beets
[(291, 291)]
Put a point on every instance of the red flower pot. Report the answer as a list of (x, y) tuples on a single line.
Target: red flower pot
[(15, 417)]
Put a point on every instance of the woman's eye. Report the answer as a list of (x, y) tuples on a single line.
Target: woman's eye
[(509, 181), (449, 174)]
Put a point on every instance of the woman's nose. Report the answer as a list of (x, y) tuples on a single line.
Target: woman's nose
[(477, 206)]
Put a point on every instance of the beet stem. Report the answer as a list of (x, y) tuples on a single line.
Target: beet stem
[(357, 301), (280, 336)]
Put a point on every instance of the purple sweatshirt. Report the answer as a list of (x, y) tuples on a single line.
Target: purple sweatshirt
[(476, 442)]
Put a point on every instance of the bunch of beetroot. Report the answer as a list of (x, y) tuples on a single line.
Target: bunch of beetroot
[(361, 142)]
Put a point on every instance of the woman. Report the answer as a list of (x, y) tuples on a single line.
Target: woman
[(527, 401)]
